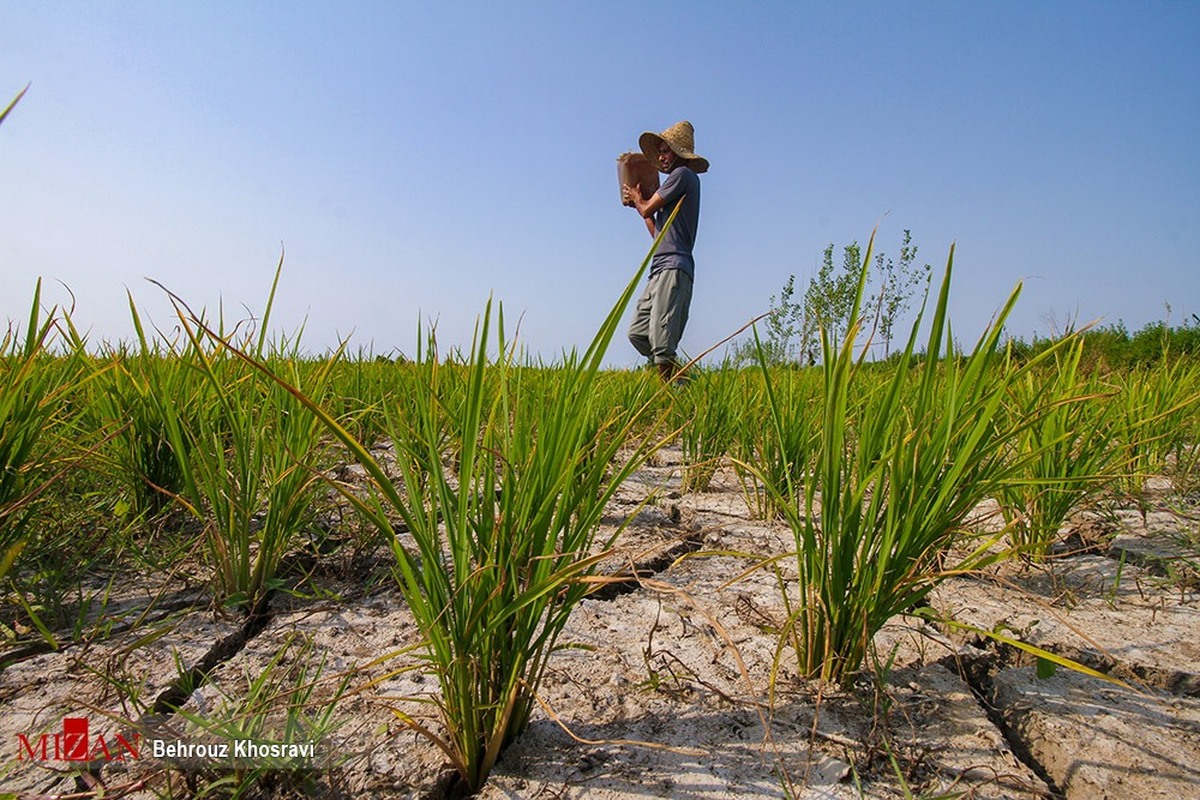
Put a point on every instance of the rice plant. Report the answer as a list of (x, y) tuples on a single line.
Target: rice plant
[(1065, 449), (519, 511), (247, 468), (1159, 406), (777, 437), (890, 484), (502, 491), (286, 707), (365, 385), (34, 385), (44, 374), (141, 392), (708, 418)]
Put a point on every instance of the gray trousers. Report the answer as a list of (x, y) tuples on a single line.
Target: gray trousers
[(661, 314)]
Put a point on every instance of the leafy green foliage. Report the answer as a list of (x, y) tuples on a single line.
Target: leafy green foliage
[(707, 416), (793, 326), (1064, 450), (890, 483), (247, 468), (34, 386), (1113, 347), (899, 281)]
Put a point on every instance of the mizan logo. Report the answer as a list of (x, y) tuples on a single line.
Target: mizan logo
[(75, 744)]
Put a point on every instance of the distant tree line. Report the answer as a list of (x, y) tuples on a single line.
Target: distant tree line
[(1114, 347)]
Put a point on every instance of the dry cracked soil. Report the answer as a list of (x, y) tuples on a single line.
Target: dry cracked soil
[(664, 689)]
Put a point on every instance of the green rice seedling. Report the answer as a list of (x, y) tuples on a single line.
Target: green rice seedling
[(279, 730), (638, 388), (1185, 472), (778, 436), (883, 504), (1065, 449), (142, 392), (743, 451), (248, 473), (502, 491), (44, 374), (363, 386), (34, 389), (73, 539), (1183, 462), (27, 406), (505, 537), (708, 423), (1160, 405)]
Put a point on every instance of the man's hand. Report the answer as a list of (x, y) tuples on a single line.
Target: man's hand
[(647, 208), (628, 193)]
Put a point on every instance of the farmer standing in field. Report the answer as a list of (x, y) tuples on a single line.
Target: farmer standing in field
[(662, 310)]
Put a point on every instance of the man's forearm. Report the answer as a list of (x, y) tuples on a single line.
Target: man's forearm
[(646, 208)]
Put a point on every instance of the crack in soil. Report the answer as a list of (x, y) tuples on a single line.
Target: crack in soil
[(631, 581), (175, 695), (42, 647), (169, 701), (976, 669)]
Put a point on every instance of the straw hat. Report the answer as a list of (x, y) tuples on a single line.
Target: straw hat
[(681, 138)]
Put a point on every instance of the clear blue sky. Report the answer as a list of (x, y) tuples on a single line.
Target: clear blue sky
[(414, 157)]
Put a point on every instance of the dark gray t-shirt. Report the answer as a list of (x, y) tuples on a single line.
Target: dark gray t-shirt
[(675, 250)]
